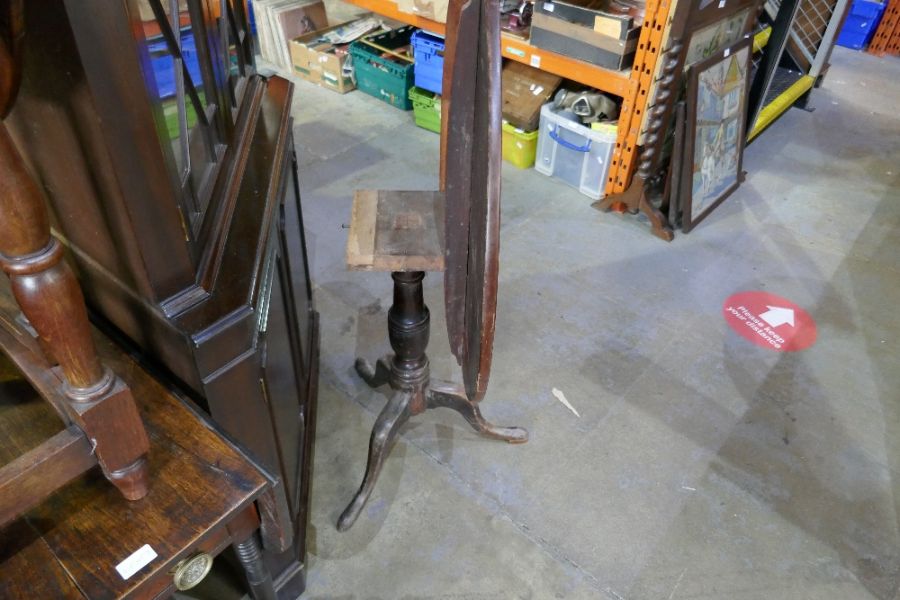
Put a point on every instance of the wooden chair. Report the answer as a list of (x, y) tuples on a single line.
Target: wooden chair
[(104, 425), (455, 231), (83, 540)]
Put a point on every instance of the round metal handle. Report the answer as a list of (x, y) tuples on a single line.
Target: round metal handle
[(192, 570)]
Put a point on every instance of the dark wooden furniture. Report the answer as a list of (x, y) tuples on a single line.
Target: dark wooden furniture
[(201, 498), (167, 163), (104, 425), (457, 230)]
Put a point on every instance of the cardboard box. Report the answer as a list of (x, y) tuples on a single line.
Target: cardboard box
[(581, 42), (436, 10), (525, 90), (321, 62), (588, 13)]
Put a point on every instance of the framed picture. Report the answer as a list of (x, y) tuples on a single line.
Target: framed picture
[(715, 36), (697, 30), (714, 130)]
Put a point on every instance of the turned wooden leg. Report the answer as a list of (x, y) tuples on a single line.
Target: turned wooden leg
[(448, 395), (258, 576), (408, 330), (385, 432), (50, 298)]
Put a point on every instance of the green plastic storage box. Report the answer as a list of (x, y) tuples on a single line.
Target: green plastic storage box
[(426, 109), (381, 74)]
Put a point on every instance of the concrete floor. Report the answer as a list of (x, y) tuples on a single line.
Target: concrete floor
[(701, 466)]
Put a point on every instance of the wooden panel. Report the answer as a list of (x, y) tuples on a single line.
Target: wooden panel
[(396, 231), (28, 422), (472, 178), (22, 552), (29, 479), (295, 262), (112, 70)]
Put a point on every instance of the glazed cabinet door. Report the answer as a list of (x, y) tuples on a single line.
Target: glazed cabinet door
[(195, 56), (288, 354)]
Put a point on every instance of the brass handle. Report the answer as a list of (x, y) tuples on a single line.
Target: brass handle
[(192, 571)]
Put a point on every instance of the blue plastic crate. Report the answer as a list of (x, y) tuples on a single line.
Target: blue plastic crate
[(162, 63), (428, 50), (860, 25)]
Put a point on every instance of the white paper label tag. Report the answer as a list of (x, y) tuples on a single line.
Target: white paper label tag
[(535, 61), (721, 3), (548, 7), (727, 52), (137, 561), (537, 91)]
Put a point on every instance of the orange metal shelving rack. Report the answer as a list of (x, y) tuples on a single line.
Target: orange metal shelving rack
[(633, 86), (887, 37)]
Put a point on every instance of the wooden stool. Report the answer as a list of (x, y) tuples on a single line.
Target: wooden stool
[(402, 232)]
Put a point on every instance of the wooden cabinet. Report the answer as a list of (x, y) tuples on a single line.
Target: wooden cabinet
[(170, 169)]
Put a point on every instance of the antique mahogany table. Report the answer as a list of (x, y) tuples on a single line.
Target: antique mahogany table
[(456, 231)]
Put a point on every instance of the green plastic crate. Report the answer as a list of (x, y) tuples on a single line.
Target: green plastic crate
[(387, 79), (426, 109)]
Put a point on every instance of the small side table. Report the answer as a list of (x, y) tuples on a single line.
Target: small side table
[(401, 232)]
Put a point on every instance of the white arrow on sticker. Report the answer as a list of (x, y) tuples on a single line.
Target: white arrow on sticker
[(776, 315)]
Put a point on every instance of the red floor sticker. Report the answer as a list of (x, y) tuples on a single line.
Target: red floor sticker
[(770, 321)]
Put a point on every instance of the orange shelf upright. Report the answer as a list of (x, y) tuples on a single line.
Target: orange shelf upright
[(624, 159)]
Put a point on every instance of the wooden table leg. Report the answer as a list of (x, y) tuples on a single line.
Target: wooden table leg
[(50, 298), (258, 576)]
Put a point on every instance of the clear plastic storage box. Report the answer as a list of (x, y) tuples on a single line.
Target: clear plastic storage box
[(574, 154)]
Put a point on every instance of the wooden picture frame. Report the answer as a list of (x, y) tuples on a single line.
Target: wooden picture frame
[(706, 40), (689, 18), (714, 131)]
